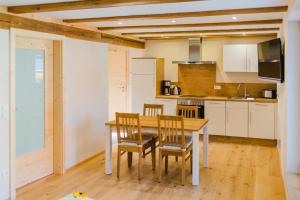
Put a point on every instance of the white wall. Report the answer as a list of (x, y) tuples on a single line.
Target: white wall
[(293, 97), (4, 121), (85, 98), (170, 50)]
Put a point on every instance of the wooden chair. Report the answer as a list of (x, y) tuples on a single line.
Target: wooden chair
[(173, 142), (187, 111), (130, 140), (153, 110)]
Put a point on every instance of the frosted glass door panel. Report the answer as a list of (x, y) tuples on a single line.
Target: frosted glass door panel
[(29, 94)]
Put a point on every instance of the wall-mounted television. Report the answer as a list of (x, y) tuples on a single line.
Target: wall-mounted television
[(271, 60)]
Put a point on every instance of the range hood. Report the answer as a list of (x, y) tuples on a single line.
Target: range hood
[(195, 57)]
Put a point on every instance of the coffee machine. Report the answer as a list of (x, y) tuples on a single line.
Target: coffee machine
[(165, 87)]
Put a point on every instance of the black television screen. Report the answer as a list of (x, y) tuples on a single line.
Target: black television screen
[(270, 60)]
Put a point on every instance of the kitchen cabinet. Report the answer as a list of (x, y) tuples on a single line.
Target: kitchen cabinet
[(215, 113), (262, 120), (169, 106), (237, 119), (240, 58)]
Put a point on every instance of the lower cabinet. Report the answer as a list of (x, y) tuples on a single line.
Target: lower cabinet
[(169, 105), (215, 113), (237, 119), (262, 120)]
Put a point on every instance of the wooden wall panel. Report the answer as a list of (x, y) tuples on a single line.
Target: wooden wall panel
[(160, 63), (199, 80), (196, 79)]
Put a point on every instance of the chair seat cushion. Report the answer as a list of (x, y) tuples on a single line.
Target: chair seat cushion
[(145, 140), (188, 142)]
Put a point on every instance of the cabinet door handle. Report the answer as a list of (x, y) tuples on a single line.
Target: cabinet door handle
[(249, 64), (264, 105), (250, 117), (227, 117)]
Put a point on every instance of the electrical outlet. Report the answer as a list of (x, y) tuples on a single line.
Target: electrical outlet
[(217, 87)]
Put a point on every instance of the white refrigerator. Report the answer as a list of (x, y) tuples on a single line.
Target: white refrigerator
[(142, 83)]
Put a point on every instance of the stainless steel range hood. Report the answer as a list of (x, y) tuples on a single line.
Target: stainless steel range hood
[(195, 57)]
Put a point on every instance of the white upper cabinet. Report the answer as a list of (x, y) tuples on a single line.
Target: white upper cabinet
[(252, 58), (234, 58), (240, 58)]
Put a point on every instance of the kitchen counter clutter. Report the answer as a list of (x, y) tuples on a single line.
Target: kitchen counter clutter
[(216, 98)]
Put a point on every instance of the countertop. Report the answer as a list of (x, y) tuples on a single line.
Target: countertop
[(217, 98)]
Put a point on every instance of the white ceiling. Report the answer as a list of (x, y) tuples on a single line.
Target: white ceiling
[(166, 8)]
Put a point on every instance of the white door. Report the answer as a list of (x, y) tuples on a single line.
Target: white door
[(252, 58), (261, 120), (34, 109), (118, 76), (234, 58), (142, 91), (215, 113), (237, 119)]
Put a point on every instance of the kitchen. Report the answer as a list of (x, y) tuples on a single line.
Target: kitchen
[(213, 76), (150, 99)]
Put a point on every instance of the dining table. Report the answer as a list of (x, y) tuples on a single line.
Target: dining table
[(193, 127)]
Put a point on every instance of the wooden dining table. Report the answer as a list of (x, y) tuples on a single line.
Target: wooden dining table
[(193, 127)]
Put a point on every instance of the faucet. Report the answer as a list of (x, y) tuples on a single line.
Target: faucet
[(245, 90)]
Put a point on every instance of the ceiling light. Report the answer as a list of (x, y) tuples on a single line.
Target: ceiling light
[(173, 21), (120, 23), (234, 18)]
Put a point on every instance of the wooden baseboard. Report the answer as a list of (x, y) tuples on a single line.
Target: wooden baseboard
[(85, 161), (242, 140)]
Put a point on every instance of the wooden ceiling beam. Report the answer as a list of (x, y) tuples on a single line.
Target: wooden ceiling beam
[(182, 14), (85, 4), (204, 31), (13, 21), (211, 36), (235, 23)]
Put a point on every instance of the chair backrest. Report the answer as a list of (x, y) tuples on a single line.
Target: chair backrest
[(128, 127), (153, 110), (187, 111), (171, 131)]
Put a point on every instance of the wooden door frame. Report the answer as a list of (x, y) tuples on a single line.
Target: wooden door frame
[(58, 131)]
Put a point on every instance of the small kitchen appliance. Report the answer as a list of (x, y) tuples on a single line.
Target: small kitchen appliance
[(165, 87), (269, 93), (175, 90)]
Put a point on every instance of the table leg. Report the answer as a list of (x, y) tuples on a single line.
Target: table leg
[(196, 143), (108, 150), (205, 146)]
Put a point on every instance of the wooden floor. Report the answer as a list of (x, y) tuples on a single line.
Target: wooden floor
[(238, 170)]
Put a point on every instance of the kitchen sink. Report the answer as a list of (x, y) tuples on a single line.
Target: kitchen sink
[(242, 98)]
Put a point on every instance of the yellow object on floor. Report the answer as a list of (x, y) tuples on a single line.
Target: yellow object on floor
[(76, 196)]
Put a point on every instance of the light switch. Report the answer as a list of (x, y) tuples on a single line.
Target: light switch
[(4, 112)]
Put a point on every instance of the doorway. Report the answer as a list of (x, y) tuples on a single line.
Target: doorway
[(36, 107), (118, 80)]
